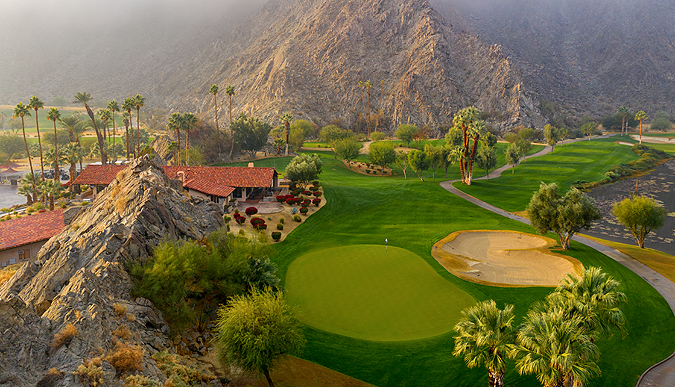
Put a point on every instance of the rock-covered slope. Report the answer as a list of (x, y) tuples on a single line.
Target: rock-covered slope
[(311, 59), (79, 278)]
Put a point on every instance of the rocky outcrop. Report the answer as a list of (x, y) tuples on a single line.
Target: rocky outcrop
[(79, 278)]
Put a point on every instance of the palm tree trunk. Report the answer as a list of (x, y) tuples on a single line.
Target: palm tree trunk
[(72, 175), (126, 128), (104, 156), (640, 131), (30, 162), (114, 133), (215, 112), (288, 131), (138, 129), (231, 132), (495, 379), (178, 137), (187, 145), (57, 177), (42, 164)]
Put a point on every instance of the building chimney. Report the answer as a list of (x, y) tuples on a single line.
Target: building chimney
[(181, 176), (250, 165)]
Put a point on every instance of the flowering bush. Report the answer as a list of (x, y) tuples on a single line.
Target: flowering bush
[(304, 210), (238, 218), (281, 198), (316, 202), (251, 211), (305, 203), (318, 193), (256, 221), (306, 192), (315, 183)]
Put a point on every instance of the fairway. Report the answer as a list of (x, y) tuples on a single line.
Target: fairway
[(367, 292)]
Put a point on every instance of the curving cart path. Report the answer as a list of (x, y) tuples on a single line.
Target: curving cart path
[(661, 373)]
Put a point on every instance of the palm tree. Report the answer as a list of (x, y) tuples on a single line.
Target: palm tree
[(73, 154), (36, 104), (26, 190), (556, 348), (3, 115), (175, 122), (214, 91), (127, 106), (189, 119), (363, 101), (173, 147), (139, 102), (229, 90), (55, 115), (485, 334), (84, 99), (113, 106), (624, 122), (21, 111), (105, 117), (641, 116), (52, 189), (286, 119), (367, 86)]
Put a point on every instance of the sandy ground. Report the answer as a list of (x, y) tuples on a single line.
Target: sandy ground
[(503, 258), (654, 140)]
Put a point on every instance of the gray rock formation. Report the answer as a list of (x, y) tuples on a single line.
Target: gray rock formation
[(79, 278)]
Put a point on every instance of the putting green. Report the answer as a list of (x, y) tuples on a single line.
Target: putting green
[(367, 292)]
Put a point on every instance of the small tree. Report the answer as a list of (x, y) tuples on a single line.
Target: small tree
[(250, 133), (523, 145), (435, 156), (406, 132), (382, 153), (303, 168), (402, 162), (551, 134), (418, 161), (640, 215), (454, 136), (486, 159), (256, 330), (588, 129), (377, 136), (512, 157), (347, 149), (563, 134), (565, 215)]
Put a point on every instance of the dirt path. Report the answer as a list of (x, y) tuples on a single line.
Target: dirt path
[(660, 374)]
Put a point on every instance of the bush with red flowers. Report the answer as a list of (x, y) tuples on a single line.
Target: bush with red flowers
[(316, 202), (238, 218), (318, 193), (281, 198), (258, 224), (291, 201), (304, 210), (307, 193), (251, 211), (305, 203)]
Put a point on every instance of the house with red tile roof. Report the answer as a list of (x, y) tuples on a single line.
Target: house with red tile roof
[(22, 238), (218, 184)]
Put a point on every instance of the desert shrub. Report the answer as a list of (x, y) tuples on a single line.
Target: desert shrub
[(141, 381), (182, 371), (236, 211), (122, 332), (126, 357), (297, 218), (281, 221), (368, 171), (377, 136), (89, 373), (38, 206), (119, 309), (276, 236), (251, 211), (239, 219), (280, 226), (316, 202), (294, 210), (304, 210), (29, 210), (226, 219), (64, 337)]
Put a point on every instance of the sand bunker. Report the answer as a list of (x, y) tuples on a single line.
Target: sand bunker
[(503, 258)]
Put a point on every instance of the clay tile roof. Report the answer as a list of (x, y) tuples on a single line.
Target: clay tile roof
[(209, 188), (30, 229), (98, 174)]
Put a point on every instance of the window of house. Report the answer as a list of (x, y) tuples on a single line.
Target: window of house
[(12, 261), (4, 264), (237, 192), (21, 255)]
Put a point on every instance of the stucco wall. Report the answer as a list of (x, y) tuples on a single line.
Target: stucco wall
[(6, 255)]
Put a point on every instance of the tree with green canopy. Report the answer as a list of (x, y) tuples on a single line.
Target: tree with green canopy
[(214, 90), (347, 149), (331, 133), (3, 115), (551, 134), (139, 102), (446, 158), (486, 159), (418, 162), (54, 115), (406, 132), (254, 331), (512, 156), (661, 122), (10, 145), (105, 116), (113, 107), (523, 145), (434, 156), (589, 129), (401, 161), (485, 335), (563, 134), (189, 120), (175, 122), (21, 111), (303, 168), (127, 106), (84, 98), (250, 133), (73, 153), (286, 119), (472, 127), (563, 215), (35, 103), (52, 189), (229, 90), (640, 215), (382, 153)]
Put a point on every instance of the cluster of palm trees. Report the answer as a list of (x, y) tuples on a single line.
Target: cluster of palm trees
[(556, 341), (229, 90), (178, 122)]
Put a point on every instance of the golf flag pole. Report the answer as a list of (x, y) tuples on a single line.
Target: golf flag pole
[(386, 246)]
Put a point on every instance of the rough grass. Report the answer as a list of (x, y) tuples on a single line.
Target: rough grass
[(414, 215), (126, 358), (8, 272), (293, 372), (64, 336)]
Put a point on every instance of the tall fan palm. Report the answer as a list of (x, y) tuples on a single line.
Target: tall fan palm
[(127, 106), (214, 90), (21, 111), (624, 121), (84, 98), (641, 116), (113, 106), (286, 119), (175, 122), (36, 104), (105, 116), (29, 188), (367, 85), (229, 90), (75, 127), (485, 335), (52, 189), (126, 120), (557, 349), (173, 147), (3, 115), (54, 115), (189, 119), (72, 153), (139, 102)]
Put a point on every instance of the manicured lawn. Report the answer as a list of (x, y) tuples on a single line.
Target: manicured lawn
[(47, 124), (669, 148), (373, 292), (413, 215), (659, 134), (579, 161)]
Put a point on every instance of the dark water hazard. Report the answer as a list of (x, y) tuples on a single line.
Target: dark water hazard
[(9, 197), (660, 186)]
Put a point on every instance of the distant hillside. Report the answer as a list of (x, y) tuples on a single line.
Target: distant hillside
[(589, 56)]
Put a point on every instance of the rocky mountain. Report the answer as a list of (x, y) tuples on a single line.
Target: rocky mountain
[(79, 278), (311, 58), (589, 56)]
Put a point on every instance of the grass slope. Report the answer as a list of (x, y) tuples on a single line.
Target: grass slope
[(579, 161), (414, 215), (373, 292)]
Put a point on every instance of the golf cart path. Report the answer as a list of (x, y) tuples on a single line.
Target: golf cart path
[(661, 373)]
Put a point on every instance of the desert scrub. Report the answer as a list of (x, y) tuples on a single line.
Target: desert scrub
[(182, 371), (64, 337), (120, 310), (8, 272), (123, 332), (126, 357), (89, 373), (141, 381)]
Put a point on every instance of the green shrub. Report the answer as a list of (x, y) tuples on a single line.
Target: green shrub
[(226, 219), (281, 220), (377, 136), (297, 218), (280, 226), (276, 236)]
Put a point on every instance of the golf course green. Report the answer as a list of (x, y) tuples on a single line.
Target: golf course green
[(373, 292)]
